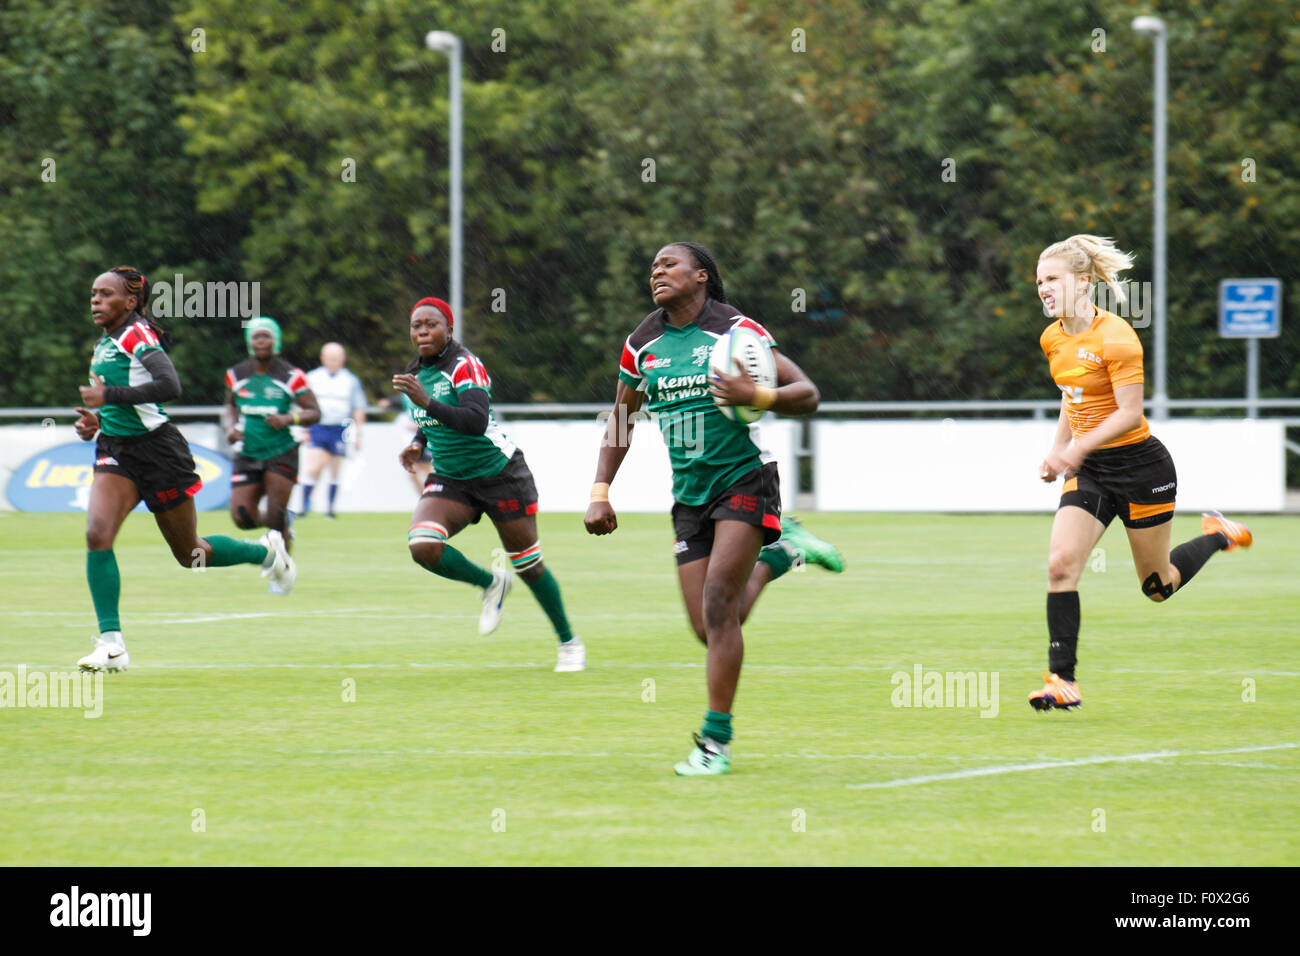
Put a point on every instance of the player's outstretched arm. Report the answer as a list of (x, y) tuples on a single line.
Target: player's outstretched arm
[(600, 517)]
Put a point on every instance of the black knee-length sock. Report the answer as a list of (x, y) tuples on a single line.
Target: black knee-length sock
[(1062, 632), (1190, 556)]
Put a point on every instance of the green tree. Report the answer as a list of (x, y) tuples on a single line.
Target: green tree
[(91, 176)]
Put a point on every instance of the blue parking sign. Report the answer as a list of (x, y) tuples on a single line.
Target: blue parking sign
[(1250, 308)]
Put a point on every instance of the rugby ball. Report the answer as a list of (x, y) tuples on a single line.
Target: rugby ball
[(755, 357)]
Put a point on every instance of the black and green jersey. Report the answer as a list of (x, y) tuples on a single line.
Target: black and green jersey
[(457, 455), (117, 362), (708, 450), (258, 395)]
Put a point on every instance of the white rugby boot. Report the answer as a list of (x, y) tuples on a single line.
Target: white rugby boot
[(494, 599), (107, 656), (282, 571), (571, 656)]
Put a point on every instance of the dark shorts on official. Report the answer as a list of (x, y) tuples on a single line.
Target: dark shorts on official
[(509, 494), (159, 462), (246, 471), (329, 437), (1136, 482), (754, 499)]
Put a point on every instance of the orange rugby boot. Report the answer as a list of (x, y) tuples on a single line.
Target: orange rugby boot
[(1062, 694), (1238, 534)]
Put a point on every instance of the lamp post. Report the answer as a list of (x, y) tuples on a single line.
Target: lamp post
[(449, 43), (1155, 28)]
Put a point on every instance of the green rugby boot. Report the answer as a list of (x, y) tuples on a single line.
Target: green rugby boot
[(813, 548), (709, 758)]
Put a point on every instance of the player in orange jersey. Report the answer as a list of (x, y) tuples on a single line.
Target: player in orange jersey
[(1111, 463)]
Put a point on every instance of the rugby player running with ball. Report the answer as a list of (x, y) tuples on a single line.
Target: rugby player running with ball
[(730, 539)]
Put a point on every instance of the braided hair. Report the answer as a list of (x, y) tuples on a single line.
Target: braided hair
[(137, 284), (704, 260)]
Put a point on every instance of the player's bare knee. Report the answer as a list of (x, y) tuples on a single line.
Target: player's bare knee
[(533, 573), (239, 514), (427, 554), (1062, 572), (721, 606), (1157, 589), (98, 537)]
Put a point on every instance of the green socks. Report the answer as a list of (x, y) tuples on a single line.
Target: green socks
[(106, 581), (717, 726), (778, 558), (105, 587), (456, 567), (230, 551), (547, 591)]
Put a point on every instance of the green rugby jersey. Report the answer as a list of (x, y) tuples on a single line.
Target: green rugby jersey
[(117, 362), (709, 452), (457, 455), (258, 395)]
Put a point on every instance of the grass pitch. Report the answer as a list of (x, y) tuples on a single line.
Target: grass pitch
[(362, 720)]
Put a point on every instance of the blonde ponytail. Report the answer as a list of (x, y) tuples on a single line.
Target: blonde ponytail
[(1097, 256)]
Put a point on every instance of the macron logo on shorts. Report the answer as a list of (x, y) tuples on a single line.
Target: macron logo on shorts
[(1156, 491), (679, 547), (106, 460)]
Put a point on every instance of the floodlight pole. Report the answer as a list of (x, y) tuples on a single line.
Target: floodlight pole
[(1155, 27), (449, 43)]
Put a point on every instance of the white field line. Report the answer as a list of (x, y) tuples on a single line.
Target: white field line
[(604, 665), (361, 613), (449, 752), (1059, 764)]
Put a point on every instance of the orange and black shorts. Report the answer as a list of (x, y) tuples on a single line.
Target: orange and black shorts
[(1136, 482)]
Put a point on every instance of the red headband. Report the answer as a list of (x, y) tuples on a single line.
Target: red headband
[(441, 306)]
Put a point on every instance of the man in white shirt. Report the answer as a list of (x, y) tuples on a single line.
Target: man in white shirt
[(342, 405)]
